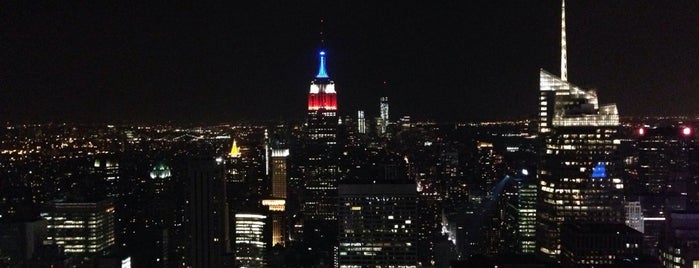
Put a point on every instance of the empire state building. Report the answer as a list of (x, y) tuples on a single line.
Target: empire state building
[(320, 183)]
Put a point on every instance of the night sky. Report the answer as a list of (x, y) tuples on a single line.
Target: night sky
[(443, 60)]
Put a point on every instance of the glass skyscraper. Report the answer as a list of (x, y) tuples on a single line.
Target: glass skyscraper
[(578, 179)]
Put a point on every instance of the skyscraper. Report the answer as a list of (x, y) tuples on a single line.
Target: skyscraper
[(678, 248), (321, 145), (665, 176), (578, 179), (208, 213), (361, 122), (520, 215), (84, 229), (378, 225), (383, 109), (319, 196), (249, 240), (276, 204)]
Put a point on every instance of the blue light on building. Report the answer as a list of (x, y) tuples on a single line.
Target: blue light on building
[(599, 171)]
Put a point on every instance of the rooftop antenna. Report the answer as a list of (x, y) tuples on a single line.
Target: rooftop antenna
[(322, 38), (322, 73), (564, 53)]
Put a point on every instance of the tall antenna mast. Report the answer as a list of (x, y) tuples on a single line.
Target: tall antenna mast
[(322, 37), (564, 53)]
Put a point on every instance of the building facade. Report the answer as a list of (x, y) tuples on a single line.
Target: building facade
[(578, 179), (378, 225), (207, 219), (250, 246), (83, 229), (320, 189), (276, 203)]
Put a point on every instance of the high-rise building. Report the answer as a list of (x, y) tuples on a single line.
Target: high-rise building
[(107, 168), (383, 109), (235, 165), (84, 229), (249, 240), (666, 161), (520, 216), (678, 247), (160, 174), (578, 179), (486, 170), (320, 170), (320, 193), (361, 122), (207, 213), (276, 204), (378, 225), (578, 176), (665, 176), (279, 157)]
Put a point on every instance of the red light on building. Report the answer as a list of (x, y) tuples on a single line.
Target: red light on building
[(325, 101), (641, 131), (686, 131)]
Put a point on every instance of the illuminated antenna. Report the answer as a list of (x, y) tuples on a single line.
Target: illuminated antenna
[(322, 73), (564, 53), (321, 69)]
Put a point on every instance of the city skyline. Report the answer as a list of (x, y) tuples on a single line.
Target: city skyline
[(149, 63)]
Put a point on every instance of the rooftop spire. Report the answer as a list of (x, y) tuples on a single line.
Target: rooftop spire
[(564, 53), (235, 152), (322, 73), (321, 69)]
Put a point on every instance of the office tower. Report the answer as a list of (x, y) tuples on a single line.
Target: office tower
[(520, 215), (666, 175), (84, 229), (107, 168), (598, 244), (665, 159), (486, 170), (678, 247), (207, 213), (160, 174), (279, 157), (666, 162), (377, 225), (250, 245), (320, 193), (276, 203), (578, 176), (235, 166), (361, 122), (428, 221), (383, 109), (320, 171)]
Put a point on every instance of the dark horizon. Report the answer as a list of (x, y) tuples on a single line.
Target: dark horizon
[(455, 61)]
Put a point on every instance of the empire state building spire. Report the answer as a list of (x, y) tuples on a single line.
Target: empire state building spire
[(321, 68), (564, 53), (322, 95)]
